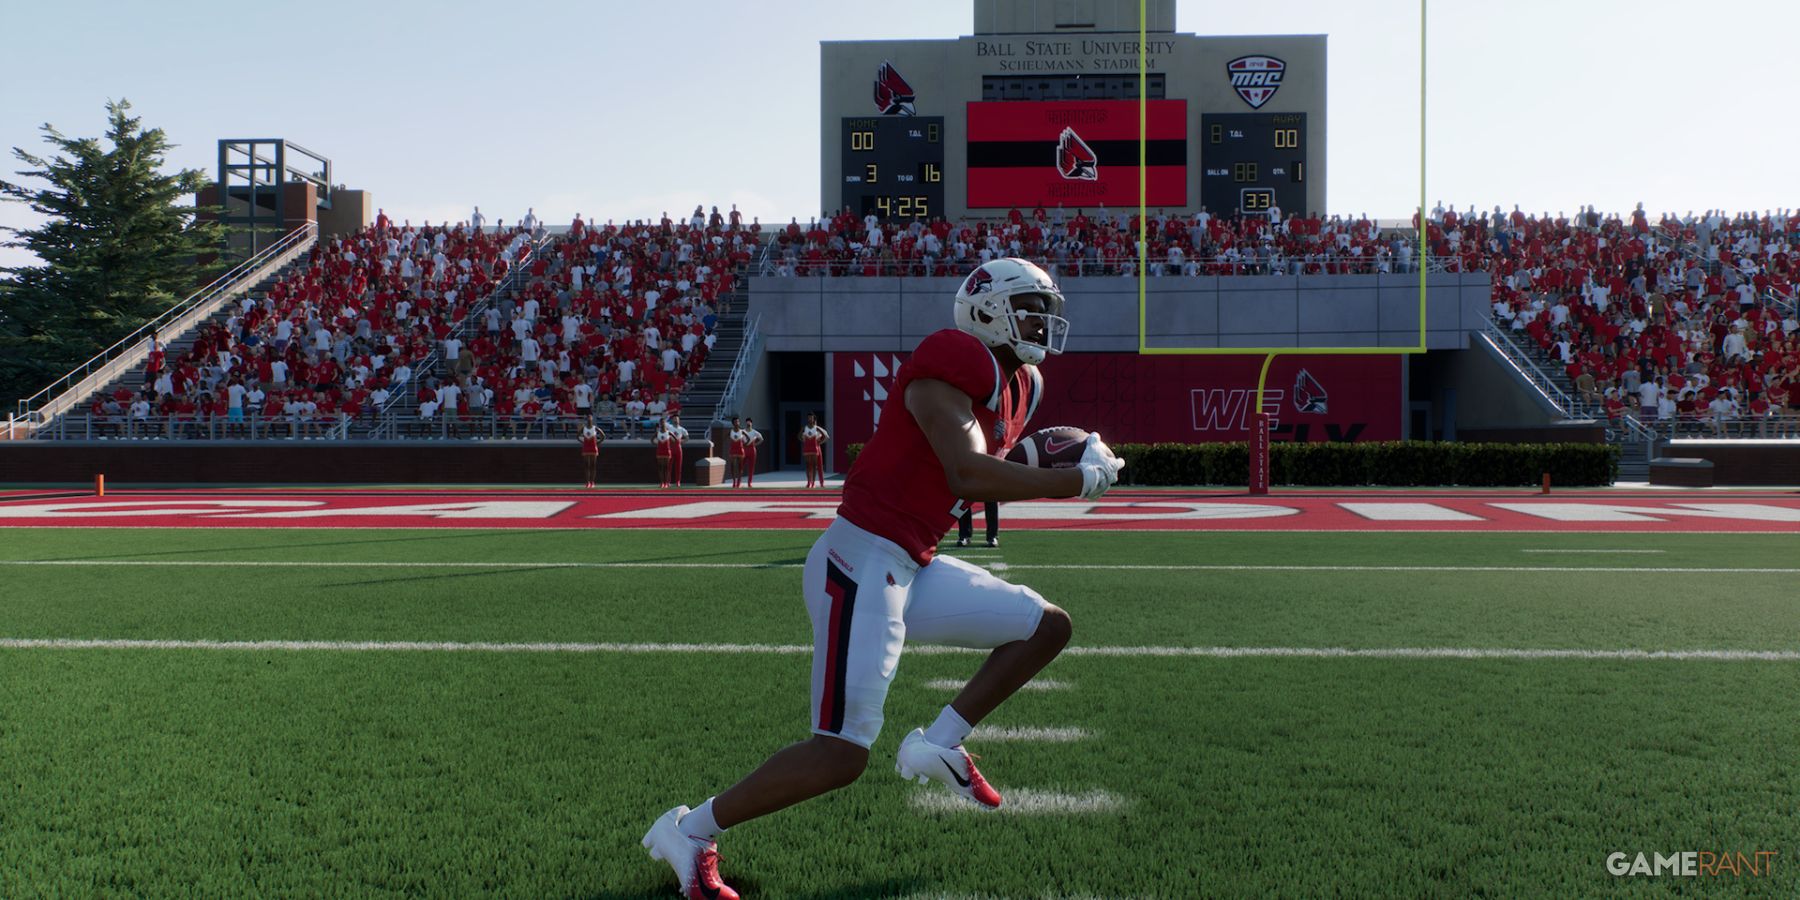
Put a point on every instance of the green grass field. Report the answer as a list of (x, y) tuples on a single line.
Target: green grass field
[(339, 772)]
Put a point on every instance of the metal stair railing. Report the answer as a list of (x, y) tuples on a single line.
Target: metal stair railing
[(128, 351), (1523, 363), (728, 399), (383, 419)]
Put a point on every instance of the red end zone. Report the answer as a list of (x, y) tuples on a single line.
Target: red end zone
[(1121, 510)]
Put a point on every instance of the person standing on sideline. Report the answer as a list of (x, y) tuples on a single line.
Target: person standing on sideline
[(662, 439), (966, 525), (737, 452), (677, 435), (812, 449), (591, 436), (752, 440)]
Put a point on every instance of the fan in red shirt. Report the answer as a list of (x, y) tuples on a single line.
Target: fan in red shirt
[(872, 581)]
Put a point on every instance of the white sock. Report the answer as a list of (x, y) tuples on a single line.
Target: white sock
[(698, 823), (949, 729)]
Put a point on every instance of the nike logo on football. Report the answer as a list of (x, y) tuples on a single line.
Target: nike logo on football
[(953, 774), (1052, 446)]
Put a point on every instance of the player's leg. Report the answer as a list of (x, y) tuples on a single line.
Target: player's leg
[(965, 525), (991, 511), (957, 603), (675, 465), (856, 595)]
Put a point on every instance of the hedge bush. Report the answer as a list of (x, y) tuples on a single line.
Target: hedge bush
[(1392, 463)]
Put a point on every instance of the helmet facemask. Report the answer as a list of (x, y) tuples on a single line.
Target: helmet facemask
[(1055, 330)]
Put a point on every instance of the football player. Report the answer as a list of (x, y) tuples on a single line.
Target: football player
[(872, 583)]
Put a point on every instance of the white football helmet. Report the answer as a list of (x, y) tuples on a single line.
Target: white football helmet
[(984, 307)]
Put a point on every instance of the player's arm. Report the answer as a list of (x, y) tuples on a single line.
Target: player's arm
[(946, 416)]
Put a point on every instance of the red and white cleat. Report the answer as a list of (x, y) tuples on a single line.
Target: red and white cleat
[(923, 761), (696, 863)]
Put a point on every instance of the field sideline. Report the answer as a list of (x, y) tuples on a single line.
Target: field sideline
[(239, 710)]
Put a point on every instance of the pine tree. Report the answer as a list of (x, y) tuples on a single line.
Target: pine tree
[(121, 244)]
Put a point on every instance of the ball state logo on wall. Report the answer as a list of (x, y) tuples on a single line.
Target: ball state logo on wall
[(893, 96), (1309, 395), (1256, 78), (1075, 159)]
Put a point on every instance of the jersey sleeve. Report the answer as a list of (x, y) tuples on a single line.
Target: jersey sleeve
[(960, 360)]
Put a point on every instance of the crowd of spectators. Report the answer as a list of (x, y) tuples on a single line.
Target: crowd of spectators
[(1686, 319), (1687, 324), (607, 321), (327, 342), (1084, 243)]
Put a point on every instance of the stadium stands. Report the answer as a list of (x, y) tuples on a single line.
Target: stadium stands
[(403, 332), (1084, 244), (1684, 326)]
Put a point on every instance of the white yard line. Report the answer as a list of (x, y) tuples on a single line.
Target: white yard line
[(922, 649), (1593, 551), (997, 567), (1023, 802), (1036, 684), (1026, 733)]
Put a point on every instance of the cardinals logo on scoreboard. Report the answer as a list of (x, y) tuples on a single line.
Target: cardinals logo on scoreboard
[(1256, 78), (1074, 158), (893, 96), (1309, 395)]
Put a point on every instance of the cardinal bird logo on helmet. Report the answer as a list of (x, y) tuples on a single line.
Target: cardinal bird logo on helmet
[(1075, 159), (1309, 395), (979, 280), (893, 96)]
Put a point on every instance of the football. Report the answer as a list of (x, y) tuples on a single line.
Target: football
[(1050, 448)]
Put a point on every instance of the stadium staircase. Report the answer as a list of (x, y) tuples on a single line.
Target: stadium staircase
[(713, 389), (123, 363), (1549, 384)]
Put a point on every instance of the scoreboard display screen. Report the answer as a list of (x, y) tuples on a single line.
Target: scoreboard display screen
[(1252, 162), (894, 166), (1079, 153)]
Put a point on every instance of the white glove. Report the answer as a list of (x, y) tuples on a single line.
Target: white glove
[(1099, 468)]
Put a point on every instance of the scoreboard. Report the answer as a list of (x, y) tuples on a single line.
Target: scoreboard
[(1253, 161), (894, 166)]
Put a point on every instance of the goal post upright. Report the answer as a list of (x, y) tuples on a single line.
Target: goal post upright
[(1259, 436)]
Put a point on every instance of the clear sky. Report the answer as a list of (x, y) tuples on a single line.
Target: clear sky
[(619, 110)]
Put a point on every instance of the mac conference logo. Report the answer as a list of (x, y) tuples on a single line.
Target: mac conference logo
[(893, 96), (1256, 78), (1075, 160)]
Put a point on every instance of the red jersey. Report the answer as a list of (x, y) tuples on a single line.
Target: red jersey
[(897, 487)]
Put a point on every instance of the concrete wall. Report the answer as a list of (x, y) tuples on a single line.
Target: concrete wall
[(350, 212), (867, 314)]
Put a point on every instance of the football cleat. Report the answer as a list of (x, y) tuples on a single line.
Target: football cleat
[(922, 761), (696, 862), (993, 542), (962, 542)]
